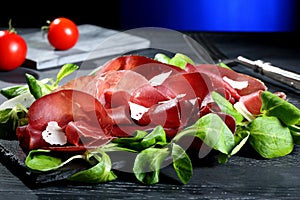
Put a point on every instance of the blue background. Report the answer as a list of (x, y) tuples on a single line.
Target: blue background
[(212, 15)]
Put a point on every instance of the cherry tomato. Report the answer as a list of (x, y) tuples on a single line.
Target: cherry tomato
[(13, 50), (62, 33)]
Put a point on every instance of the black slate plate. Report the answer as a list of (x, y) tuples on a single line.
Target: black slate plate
[(12, 156)]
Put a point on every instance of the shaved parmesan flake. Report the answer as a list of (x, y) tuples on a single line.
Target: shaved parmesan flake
[(240, 107), (159, 79), (53, 134), (193, 101), (236, 84), (137, 111)]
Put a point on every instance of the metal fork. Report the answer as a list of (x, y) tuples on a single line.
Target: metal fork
[(286, 77), (216, 55)]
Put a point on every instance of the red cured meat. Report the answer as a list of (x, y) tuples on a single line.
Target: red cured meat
[(191, 85), (252, 102), (94, 109), (129, 62), (80, 133), (218, 73), (103, 86), (148, 96), (63, 107), (30, 138)]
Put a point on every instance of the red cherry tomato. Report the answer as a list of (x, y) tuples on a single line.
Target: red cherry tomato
[(62, 33), (13, 50)]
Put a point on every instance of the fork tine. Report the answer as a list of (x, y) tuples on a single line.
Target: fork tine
[(215, 53)]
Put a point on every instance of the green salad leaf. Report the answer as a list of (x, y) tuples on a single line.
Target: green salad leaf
[(270, 138), (10, 119), (13, 91), (65, 71), (148, 164), (162, 58), (213, 131), (43, 160), (272, 105), (143, 140), (40, 88), (182, 163), (99, 172), (179, 60), (227, 107)]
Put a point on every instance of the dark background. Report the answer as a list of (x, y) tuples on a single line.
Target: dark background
[(187, 15), (34, 14)]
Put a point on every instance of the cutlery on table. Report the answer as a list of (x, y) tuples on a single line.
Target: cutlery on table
[(209, 53)]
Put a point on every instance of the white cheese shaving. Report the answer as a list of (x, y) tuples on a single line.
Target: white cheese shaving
[(159, 79), (53, 134), (240, 107), (193, 101), (236, 84), (137, 111)]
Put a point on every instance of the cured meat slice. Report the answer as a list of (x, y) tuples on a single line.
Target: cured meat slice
[(148, 96), (173, 115), (63, 107), (80, 133), (189, 85), (218, 74), (105, 85), (132, 93), (252, 102), (129, 62), (30, 138)]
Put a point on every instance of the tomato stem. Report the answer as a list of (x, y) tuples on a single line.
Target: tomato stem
[(11, 29), (46, 27)]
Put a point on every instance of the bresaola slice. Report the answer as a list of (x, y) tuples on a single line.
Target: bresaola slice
[(64, 107), (218, 75), (81, 133), (143, 65), (252, 102), (155, 105), (132, 93)]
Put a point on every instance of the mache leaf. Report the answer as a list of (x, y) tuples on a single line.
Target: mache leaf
[(270, 138), (213, 131), (272, 105), (148, 164), (182, 164)]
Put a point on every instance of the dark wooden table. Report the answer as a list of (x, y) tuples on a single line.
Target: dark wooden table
[(243, 177)]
